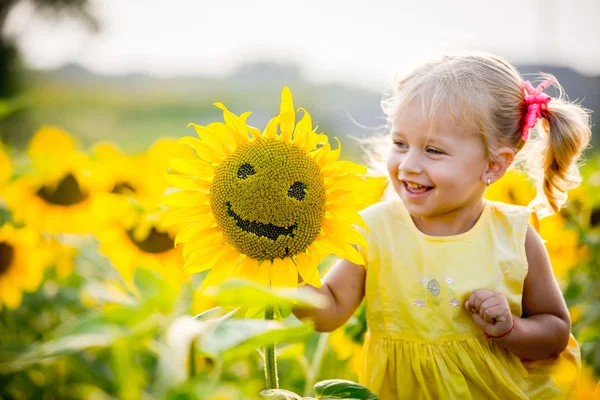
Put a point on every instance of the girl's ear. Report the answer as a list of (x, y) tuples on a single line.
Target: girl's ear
[(498, 164)]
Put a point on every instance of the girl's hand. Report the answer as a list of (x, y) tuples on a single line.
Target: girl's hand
[(490, 311)]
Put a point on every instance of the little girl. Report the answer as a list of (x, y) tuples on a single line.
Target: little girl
[(460, 295)]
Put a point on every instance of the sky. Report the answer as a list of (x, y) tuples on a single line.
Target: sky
[(361, 42)]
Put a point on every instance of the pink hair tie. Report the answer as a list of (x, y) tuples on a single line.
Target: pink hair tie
[(536, 101)]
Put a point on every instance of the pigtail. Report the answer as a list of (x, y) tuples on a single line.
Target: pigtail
[(565, 133)]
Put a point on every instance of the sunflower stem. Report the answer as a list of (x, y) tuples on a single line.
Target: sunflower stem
[(315, 365), (192, 361), (270, 357)]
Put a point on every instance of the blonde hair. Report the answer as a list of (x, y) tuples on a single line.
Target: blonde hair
[(484, 93)]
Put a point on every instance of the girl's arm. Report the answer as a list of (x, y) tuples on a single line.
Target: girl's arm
[(344, 287), (544, 329)]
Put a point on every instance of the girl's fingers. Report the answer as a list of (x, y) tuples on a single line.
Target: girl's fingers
[(493, 315), (479, 296), (486, 305), (479, 321)]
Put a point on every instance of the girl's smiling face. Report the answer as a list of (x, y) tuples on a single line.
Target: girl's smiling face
[(437, 171)]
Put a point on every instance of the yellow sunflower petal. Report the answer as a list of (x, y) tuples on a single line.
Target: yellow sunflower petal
[(256, 133), (5, 166), (205, 143), (205, 226), (343, 167), (247, 268), (217, 275), (344, 230), (207, 238), (314, 254), (271, 129), (314, 139), (187, 199), (287, 103), (341, 197), (302, 130), (324, 155), (50, 141), (228, 261), (286, 125), (229, 138), (330, 245), (345, 182), (203, 260), (176, 216), (238, 126), (286, 114), (244, 116), (191, 249), (11, 296), (308, 269), (284, 273), (347, 214), (198, 168), (188, 182), (263, 276), (353, 255), (202, 147)]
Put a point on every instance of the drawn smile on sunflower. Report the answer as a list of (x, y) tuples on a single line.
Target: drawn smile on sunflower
[(266, 206)]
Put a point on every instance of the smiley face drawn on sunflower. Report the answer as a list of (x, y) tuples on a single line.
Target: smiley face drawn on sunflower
[(268, 198)]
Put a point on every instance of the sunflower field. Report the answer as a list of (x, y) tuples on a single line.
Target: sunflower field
[(107, 291)]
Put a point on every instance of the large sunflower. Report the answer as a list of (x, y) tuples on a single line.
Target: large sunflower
[(21, 264), (265, 206), (56, 197)]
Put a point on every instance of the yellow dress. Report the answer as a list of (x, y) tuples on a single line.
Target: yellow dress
[(421, 342)]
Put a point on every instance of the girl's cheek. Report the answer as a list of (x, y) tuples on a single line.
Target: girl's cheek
[(392, 164)]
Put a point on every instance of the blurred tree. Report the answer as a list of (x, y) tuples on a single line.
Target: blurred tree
[(10, 67)]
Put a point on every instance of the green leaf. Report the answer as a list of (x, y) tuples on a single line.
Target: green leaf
[(239, 292), (94, 330), (237, 337), (279, 394), (54, 348), (342, 389)]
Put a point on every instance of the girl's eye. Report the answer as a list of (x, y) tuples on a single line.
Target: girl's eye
[(401, 145), (434, 151)]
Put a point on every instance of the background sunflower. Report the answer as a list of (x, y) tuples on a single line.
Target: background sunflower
[(139, 240), (56, 197), (5, 166), (131, 187), (21, 264)]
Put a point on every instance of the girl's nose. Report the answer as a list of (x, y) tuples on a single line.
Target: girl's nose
[(410, 163)]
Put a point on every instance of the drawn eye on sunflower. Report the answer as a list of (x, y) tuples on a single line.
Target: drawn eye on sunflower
[(265, 206)]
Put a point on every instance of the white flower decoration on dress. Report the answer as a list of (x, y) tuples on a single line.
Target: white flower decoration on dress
[(454, 302)]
